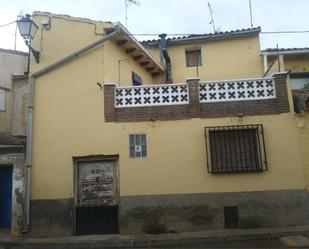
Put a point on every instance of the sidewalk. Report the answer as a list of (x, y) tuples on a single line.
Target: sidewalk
[(147, 240)]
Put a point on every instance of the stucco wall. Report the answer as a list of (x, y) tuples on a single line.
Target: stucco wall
[(302, 123), (72, 123), (112, 68), (65, 36), (20, 106), (221, 59), (6, 115), (298, 63), (10, 62), (76, 33)]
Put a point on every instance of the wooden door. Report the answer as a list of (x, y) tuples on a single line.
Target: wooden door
[(96, 210), (97, 183)]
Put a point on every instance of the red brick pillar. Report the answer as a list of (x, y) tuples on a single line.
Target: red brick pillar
[(281, 92), (194, 103), (109, 102)]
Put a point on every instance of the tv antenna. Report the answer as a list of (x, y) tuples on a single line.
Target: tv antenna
[(250, 13), (211, 16), (127, 5)]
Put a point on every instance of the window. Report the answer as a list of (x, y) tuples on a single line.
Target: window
[(235, 149), (193, 57), (136, 79), (138, 145), (2, 99)]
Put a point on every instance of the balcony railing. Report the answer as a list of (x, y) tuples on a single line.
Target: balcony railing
[(237, 90), (151, 95)]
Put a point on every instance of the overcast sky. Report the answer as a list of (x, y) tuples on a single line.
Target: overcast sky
[(174, 16)]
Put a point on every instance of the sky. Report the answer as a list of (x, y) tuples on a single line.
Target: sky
[(173, 17)]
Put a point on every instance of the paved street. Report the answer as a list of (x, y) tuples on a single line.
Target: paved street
[(269, 244), (284, 237), (255, 244)]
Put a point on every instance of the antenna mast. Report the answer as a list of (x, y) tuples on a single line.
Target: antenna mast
[(250, 13), (126, 3), (212, 19)]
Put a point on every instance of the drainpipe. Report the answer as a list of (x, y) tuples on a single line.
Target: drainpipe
[(168, 73), (32, 78)]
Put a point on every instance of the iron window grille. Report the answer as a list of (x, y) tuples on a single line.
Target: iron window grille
[(237, 148), (138, 145)]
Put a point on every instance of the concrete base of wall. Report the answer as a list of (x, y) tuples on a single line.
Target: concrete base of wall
[(195, 212), (51, 218), (183, 212)]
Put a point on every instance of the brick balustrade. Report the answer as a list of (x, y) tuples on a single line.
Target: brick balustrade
[(196, 100)]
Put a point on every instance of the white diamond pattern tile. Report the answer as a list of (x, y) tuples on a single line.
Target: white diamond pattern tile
[(238, 90), (152, 95)]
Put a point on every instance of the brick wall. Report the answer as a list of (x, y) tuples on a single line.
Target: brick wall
[(195, 109)]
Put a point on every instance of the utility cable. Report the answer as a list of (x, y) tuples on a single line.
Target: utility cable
[(7, 24)]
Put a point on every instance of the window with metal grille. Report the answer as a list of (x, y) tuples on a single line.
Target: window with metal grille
[(138, 145), (193, 57), (238, 148)]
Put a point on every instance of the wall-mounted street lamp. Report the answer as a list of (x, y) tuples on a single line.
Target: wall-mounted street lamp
[(27, 29)]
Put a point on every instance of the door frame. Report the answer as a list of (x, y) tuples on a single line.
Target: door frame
[(16, 161), (94, 158)]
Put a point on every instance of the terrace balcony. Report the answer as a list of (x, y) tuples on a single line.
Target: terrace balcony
[(209, 99)]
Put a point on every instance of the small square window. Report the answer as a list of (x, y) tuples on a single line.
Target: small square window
[(193, 57), (2, 99), (138, 145)]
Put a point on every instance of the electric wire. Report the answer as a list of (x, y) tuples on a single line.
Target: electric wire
[(195, 34), (7, 24)]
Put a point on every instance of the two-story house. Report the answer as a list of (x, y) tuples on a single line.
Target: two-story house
[(168, 135)]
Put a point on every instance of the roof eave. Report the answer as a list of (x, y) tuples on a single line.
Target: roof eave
[(138, 45), (213, 37), (288, 52)]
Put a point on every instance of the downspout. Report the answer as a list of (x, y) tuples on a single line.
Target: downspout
[(32, 78), (163, 48)]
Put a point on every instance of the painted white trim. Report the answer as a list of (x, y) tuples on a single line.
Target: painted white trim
[(110, 84), (233, 80), (265, 63), (301, 51), (158, 85)]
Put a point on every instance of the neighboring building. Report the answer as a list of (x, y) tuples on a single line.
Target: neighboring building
[(13, 115), (105, 156), (296, 62), (12, 64)]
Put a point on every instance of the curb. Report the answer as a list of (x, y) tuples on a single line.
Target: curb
[(144, 241)]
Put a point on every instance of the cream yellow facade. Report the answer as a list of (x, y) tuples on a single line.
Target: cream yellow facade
[(68, 119), (67, 35), (243, 51)]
